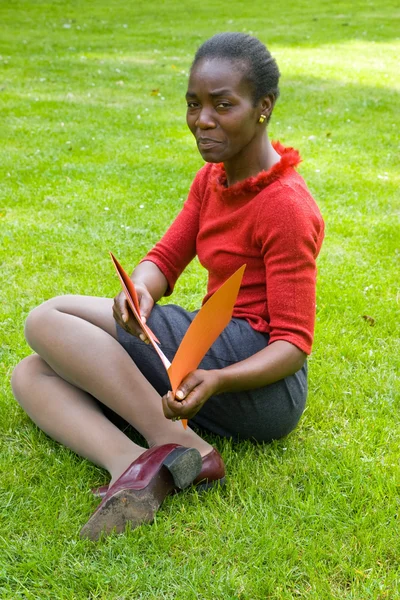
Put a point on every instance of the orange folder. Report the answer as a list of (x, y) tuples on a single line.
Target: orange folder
[(207, 325)]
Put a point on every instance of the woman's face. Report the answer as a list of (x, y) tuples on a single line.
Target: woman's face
[(221, 112)]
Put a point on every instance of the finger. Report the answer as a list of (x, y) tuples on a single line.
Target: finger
[(186, 411), (130, 325), (129, 319), (122, 307), (167, 401), (146, 306), (117, 317), (197, 397), (144, 338), (124, 311), (187, 385), (186, 408), (121, 310), (172, 408)]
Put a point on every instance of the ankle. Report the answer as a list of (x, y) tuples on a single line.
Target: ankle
[(122, 462), (186, 438)]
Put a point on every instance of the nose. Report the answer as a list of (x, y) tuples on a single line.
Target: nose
[(205, 119)]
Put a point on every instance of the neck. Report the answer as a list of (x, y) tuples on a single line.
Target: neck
[(251, 162)]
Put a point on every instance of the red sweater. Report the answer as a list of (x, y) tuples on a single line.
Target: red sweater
[(271, 223)]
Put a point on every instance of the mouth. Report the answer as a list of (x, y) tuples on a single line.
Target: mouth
[(207, 143)]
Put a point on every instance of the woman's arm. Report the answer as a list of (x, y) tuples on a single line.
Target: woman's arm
[(275, 362), (149, 275)]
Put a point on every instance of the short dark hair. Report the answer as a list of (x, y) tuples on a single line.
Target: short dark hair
[(263, 73)]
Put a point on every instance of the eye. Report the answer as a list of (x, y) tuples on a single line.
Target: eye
[(223, 105), (192, 105)]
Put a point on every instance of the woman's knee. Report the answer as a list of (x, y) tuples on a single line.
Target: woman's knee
[(43, 322), (24, 374), (38, 320)]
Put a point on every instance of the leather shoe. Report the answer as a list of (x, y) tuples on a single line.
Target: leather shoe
[(138, 493), (212, 473)]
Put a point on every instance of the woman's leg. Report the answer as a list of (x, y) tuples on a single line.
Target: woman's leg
[(71, 416), (75, 336)]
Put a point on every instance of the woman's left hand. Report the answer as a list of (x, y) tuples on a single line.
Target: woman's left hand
[(191, 395)]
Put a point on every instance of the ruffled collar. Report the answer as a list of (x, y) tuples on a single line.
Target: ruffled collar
[(253, 185)]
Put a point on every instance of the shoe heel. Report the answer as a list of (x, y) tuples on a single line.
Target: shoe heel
[(184, 464)]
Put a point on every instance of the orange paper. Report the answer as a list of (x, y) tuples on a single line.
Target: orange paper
[(207, 325)]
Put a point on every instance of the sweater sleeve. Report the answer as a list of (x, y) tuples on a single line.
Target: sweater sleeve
[(177, 247), (290, 232)]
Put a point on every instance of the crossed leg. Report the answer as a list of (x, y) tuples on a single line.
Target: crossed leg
[(78, 359)]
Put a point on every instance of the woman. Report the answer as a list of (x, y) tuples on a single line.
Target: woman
[(246, 205)]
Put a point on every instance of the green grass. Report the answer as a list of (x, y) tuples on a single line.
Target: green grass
[(89, 164)]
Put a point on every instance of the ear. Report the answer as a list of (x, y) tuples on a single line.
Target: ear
[(267, 105)]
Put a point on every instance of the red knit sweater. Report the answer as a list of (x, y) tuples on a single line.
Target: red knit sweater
[(271, 223)]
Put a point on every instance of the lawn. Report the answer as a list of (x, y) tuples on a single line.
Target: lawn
[(95, 156)]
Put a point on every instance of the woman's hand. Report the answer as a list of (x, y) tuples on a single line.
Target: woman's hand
[(123, 315), (191, 395)]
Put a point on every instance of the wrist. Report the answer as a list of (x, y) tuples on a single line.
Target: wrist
[(221, 381)]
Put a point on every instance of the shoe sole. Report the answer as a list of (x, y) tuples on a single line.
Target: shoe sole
[(204, 486), (136, 507)]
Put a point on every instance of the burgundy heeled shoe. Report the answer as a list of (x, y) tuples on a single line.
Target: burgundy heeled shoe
[(139, 492), (212, 473)]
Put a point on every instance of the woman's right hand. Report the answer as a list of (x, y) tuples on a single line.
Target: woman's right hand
[(123, 315)]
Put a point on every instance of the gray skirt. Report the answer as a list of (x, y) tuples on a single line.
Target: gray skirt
[(262, 414)]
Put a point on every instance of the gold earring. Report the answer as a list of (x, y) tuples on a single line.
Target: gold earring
[(262, 119)]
